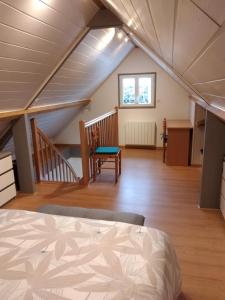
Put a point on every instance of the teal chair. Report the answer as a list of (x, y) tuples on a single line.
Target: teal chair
[(104, 154)]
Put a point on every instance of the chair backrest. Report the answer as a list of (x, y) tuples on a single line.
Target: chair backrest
[(95, 138), (164, 128), (164, 138)]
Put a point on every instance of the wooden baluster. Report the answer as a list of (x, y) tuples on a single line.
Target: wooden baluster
[(116, 127), (71, 177), (42, 156), (56, 166), (67, 174), (46, 159), (111, 130), (59, 168), (102, 132), (107, 131), (51, 163), (63, 168)]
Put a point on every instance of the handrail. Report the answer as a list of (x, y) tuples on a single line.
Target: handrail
[(50, 165), (108, 128), (102, 117)]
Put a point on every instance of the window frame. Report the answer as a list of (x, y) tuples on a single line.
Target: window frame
[(136, 75)]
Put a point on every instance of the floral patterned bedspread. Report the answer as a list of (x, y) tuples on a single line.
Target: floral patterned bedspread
[(58, 258)]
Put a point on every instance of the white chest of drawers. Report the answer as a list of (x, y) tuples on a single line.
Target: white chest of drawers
[(7, 182)]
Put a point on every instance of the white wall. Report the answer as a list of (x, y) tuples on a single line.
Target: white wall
[(172, 100)]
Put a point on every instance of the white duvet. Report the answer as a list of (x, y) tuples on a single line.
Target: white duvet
[(59, 258)]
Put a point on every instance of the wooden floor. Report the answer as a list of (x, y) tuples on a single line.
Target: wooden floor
[(168, 197)]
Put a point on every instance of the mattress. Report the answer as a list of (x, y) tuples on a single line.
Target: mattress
[(56, 257)]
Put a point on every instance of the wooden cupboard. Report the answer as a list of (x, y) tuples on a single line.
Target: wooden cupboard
[(179, 142)]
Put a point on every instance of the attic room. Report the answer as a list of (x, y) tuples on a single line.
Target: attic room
[(112, 149)]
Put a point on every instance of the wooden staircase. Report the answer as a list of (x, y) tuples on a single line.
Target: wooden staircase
[(50, 165)]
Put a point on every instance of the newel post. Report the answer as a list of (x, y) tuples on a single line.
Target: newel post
[(36, 148), (84, 152), (116, 126)]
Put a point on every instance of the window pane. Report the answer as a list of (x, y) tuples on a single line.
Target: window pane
[(144, 93), (128, 88)]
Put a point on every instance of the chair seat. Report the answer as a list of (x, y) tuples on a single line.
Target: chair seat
[(107, 150)]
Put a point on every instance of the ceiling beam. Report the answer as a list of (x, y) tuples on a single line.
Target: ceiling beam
[(6, 135), (43, 109), (216, 110)]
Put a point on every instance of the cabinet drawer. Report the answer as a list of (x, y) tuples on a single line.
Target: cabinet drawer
[(6, 179), (5, 164), (7, 194)]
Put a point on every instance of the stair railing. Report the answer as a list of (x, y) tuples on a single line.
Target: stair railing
[(108, 129), (50, 165)]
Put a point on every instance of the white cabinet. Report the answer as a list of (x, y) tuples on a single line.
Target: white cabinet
[(222, 195), (7, 182)]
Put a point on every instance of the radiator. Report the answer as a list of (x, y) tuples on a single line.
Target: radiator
[(140, 133)]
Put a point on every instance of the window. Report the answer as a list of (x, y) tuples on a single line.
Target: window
[(137, 90)]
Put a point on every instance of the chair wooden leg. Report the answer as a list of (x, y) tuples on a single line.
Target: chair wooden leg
[(120, 163), (116, 169), (164, 153), (94, 168), (99, 166)]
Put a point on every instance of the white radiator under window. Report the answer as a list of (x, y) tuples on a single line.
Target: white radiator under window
[(140, 133)]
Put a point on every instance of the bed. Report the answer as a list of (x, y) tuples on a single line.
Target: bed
[(58, 258)]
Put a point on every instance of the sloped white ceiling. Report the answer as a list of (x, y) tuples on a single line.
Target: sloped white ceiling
[(50, 123), (4, 124), (93, 60), (188, 34), (34, 35)]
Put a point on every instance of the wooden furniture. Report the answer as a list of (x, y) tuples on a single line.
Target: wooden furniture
[(7, 181), (164, 138), (179, 142), (104, 154), (108, 126)]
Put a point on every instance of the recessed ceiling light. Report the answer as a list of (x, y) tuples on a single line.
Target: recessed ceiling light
[(106, 39)]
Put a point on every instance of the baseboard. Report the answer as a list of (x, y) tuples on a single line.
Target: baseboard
[(196, 165)]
